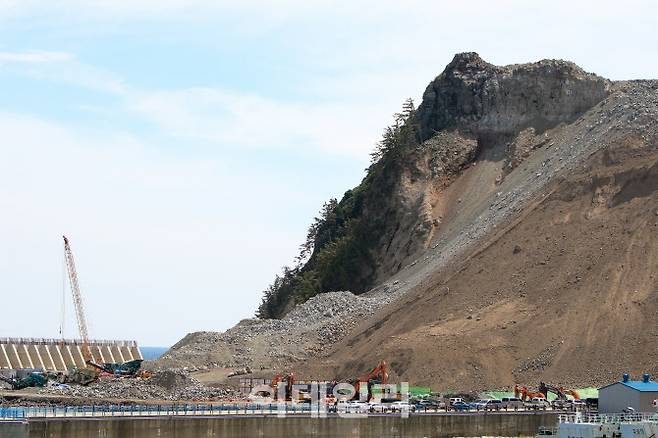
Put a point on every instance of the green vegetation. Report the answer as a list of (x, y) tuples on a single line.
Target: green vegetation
[(583, 392), (420, 391), (338, 251)]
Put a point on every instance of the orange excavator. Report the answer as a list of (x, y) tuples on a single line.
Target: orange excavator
[(289, 380), (524, 393), (378, 375), (572, 392), (560, 392)]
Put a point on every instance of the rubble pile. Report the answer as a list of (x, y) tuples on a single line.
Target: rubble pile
[(310, 327), (167, 385)]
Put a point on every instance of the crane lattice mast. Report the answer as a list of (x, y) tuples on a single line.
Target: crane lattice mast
[(77, 300)]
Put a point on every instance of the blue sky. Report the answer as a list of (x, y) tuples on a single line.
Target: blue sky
[(184, 146)]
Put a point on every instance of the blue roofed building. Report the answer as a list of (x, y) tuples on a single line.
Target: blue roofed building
[(636, 394)]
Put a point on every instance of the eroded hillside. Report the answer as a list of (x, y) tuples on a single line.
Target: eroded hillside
[(473, 111), (568, 293), (511, 228)]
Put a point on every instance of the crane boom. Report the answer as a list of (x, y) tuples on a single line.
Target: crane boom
[(77, 300)]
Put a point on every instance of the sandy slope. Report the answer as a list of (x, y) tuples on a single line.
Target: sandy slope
[(567, 293), (543, 269)]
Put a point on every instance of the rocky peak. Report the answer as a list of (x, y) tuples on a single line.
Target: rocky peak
[(468, 66), (486, 99)]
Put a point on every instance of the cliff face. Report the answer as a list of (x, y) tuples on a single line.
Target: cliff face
[(492, 100), (472, 110)]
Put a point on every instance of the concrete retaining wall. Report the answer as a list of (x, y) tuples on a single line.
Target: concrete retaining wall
[(389, 426), (61, 355), (13, 429)]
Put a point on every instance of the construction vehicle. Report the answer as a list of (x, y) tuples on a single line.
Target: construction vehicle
[(288, 379), (524, 393), (560, 392), (33, 379), (93, 370), (77, 375), (378, 375), (126, 369)]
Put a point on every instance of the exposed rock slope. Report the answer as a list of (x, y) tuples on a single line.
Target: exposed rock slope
[(565, 289), (568, 293), (470, 111), (503, 231)]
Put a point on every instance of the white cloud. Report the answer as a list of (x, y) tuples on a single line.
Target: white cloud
[(35, 57), (178, 242), (241, 120), (228, 119), (79, 74), (62, 67), (139, 9)]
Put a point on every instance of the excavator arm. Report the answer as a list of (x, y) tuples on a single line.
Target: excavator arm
[(572, 392), (561, 392), (378, 375), (289, 379)]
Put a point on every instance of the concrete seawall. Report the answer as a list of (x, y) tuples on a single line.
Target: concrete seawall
[(386, 426), (62, 354)]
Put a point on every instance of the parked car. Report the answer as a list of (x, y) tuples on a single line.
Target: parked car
[(353, 407), (494, 405), (578, 404), (357, 407), (537, 403), (569, 405), (511, 403), (487, 405), (460, 406), (478, 404), (561, 404), (429, 405), (377, 407), (456, 400), (401, 406), (341, 406)]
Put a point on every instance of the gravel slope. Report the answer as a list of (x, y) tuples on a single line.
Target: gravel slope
[(341, 335)]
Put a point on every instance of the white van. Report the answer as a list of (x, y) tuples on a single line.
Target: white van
[(537, 403), (511, 403), (487, 405)]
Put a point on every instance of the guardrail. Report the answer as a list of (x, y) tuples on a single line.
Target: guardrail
[(49, 341), (18, 413), (587, 417)]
